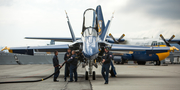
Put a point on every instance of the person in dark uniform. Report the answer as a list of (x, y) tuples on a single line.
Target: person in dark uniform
[(67, 66), (73, 66), (80, 56), (56, 66), (107, 56)]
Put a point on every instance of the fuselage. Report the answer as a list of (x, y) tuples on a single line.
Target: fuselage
[(90, 44), (139, 41)]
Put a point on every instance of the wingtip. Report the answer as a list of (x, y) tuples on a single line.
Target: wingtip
[(173, 48), (113, 12), (110, 34), (5, 48), (176, 48)]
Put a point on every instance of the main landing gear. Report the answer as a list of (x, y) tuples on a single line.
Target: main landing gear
[(157, 63), (93, 75), (141, 62), (89, 71)]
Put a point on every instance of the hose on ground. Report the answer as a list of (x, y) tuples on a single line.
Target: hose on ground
[(34, 80)]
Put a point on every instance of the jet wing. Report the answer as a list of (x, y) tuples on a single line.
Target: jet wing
[(118, 47), (29, 50), (63, 39)]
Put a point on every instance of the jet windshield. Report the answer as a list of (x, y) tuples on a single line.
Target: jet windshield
[(89, 18), (90, 32)]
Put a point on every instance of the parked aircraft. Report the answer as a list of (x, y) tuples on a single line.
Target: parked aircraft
[(139, 56), (92, 43)]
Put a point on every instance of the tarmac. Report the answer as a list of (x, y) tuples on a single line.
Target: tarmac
[(136, 77)]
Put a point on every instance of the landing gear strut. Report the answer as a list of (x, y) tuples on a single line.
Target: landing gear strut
[(86, 75)]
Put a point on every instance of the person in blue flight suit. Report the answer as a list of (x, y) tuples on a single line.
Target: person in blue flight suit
[(73, 66), (56, 66), (67, 66), (107, 56)]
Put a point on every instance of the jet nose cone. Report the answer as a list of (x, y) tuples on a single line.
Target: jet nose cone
[(90, 55)]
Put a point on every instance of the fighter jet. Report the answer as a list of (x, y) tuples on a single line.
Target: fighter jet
[(141, 57), (92, 42)]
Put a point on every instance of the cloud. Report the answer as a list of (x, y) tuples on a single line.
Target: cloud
[(46, 18), (147, 18), (6, 2), (166, 9)]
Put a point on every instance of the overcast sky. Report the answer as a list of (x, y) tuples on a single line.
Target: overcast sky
[(46, 18)]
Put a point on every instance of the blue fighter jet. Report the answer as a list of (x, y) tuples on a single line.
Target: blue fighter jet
[(92, 42)]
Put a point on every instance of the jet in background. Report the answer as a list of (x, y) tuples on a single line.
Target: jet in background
[(92, 43), (143, 41)]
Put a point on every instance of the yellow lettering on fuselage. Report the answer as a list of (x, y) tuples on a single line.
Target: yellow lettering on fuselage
[(160, 46), (99, 30)]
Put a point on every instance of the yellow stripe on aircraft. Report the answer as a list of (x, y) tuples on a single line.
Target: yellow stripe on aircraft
[(130, 52), (162, 56), (48, 52), (10, 51)]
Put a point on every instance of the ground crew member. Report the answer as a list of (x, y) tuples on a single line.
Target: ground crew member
[(113, 71), (107, 56), (80, 56), (67, 66), (56, 66), (73, 66)]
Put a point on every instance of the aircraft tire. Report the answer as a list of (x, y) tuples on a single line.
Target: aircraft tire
[(141, 62), (118, 62), (94, 75), (158, 63), (122, 62), (86, 75)]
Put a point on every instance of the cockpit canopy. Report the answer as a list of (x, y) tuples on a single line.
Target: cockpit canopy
[(155, 43), (89, 21)]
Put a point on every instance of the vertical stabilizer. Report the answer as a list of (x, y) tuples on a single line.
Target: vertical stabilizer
[(102, 29), (70, 28), (101, 25)]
